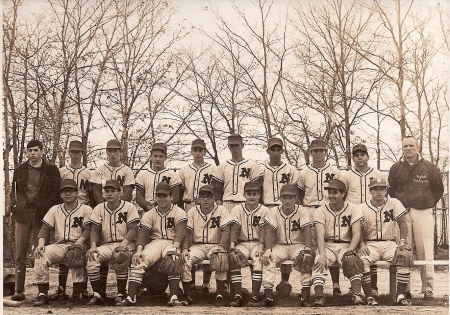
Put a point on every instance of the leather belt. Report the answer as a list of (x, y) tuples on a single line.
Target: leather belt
[(337, 241), (233, 201)]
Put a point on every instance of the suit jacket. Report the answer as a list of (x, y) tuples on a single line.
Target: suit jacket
[(48, 195)]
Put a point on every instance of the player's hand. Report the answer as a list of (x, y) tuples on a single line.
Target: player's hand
[(92, 254), (364, 250), (321, 263), (137, 258), (219, 248), (259, 251), (185, 255), (39, 252), (267, 257)]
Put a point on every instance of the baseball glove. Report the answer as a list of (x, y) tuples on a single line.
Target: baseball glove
[(219, 261), (120, 259), (403, 257), (352, 265), (304, 261), (283, 289), (74, 256), (171, 264), (237, 260)]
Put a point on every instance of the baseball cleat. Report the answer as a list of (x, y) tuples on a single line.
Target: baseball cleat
[(337, 292), (219, 301), (266, 302), (319, 301), (402, 301), (305, 302), (119, 299), (41, 300), (128, 302), (59, 295), (237, 301), (186, 300), (18, 296), (357, 299), (371, 301), (95, 300), (428, 295), (174, 301)]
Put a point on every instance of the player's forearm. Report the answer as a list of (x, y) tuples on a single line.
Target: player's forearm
[(180, 231), (132, 231), (270, 237), (262, 234), (187, 241), (356, 236), (320, 239), (403, 226), (140, 199), (86, 232), (218, 189), (81, 240), (44, 233), (127, 193), (97, 191), (225, 236), (234, 232), (176, 194), (307, 236), (143, 237), (41, 242), (96, 232)]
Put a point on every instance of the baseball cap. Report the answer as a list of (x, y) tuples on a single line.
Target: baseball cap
[(234, 138), (163, 188), (317, 144), (206, 189), (274, 141), (251, 186), (288, 190), (336, 184), (198, 143), (359, 147), (75, 146), (159, 146), (114, 144), (112, 183), (68, 183), (377, 182)]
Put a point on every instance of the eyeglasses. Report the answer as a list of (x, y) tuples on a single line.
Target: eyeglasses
[(205, 197), (162, 195)]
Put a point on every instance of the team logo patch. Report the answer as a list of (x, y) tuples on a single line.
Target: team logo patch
[(84, 184), (285, 178), (77, 222), (346, 220), (388, 215), (295, 226), (121, 179), (207, 179), (256, 219), (328, 177), (166, 179), (170, 222), (122, 217), (215, 222), (245, 172)]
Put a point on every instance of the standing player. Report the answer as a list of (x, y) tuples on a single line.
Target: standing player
[(357, 180), (113, 223), (147, 180), (208, 228), (69, 220), (312, 181), (383, 216), (276, 174), (113, 169), (161, 230), (338, 230), (230, 177), (287, 232), (81, 175), (246, 235)]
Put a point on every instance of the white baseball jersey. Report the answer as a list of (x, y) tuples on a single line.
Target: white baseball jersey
[(193, 177), (121, 173), (206, 228), (276, 177), (358, 184), (380, 223), (249, 221), (149, 178), (288, 227), (114, 222), (234, 175), (81, 176), (313, 181), (67, 225), (338, 225), (162, 225)]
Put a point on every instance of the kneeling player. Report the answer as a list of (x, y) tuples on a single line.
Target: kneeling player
[(165, 225), (69, 220), (338, 231), (114, 223), (246, 236), (208, 228), (382, 217), (287, 233)]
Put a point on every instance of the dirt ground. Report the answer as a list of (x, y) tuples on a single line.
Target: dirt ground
[(158, 304)]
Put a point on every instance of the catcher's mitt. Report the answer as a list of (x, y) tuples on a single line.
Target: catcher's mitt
[(171, 264), (219, 261), (120, 259), (403, 257), (304, 261), (74, 256), (283, 289), (352, 265), (237, 260)]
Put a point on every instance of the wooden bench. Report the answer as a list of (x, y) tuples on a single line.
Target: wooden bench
[(392, 271)]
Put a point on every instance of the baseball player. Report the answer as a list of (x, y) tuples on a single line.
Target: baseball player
[(147, 180), (230, 177), (312, 181), (246, 235), (276, 174), (69, 221), (208, 230), (338, 230), (383, 216), (165, 226), (114, 223), (113, 169), (287, 232), (357, 180), (81, 175)]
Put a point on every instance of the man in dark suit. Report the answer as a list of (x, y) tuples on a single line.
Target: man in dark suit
[(35, 189)]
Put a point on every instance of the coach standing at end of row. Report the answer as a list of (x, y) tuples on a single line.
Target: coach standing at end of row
[(417, 183)]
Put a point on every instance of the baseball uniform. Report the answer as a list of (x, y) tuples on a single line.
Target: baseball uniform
[(192, 178), (121, 173), (82, 177), (149, 178), (358, 184), (275, 177)]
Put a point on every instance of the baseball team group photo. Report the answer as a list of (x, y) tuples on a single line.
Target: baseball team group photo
[(211, 156)]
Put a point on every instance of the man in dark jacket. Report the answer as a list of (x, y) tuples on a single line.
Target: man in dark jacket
[(35, 189), (417, 183)]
